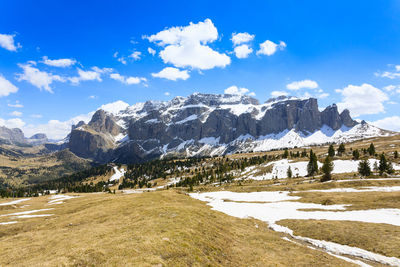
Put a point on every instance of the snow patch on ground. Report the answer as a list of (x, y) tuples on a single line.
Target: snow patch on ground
[(59, 199), (277, 206), (24, 212), (6, 223), (14, 202), (117, 174)]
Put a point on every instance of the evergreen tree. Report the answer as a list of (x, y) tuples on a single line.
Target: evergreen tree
[(383, 164), (356, 154), (389, 168), (341, 149), (396, 154), (289, 172), (327, 169), (363, 168), (371, 149), (285, 154), (331, 151), (376, 167), (312, 167)]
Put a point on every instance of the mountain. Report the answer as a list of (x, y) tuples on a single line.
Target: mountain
[(208, 124), (11, 136), (15, 136)]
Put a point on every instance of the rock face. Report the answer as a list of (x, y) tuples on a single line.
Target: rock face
[(204, 124), (12, 135)]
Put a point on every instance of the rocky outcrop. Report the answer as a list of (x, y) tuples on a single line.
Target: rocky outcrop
[(12, 136), (148, 130)]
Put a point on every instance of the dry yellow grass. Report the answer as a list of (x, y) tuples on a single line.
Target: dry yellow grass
[(378, 238), (162, 228), (358, 201)]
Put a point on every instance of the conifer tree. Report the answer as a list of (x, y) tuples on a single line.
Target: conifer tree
[(356, 154), (331, 151), (285, 154), (327, 169), (341, 149), (383, 164), (363, 168), (312, 167), (396, 154), (289, 172), (371, 149)]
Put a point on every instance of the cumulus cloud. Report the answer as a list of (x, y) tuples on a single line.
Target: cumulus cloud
[(362, 100), (167, 94), (269, 48), (89, 75), (151, 51), (6, 87), (394, 74), (61, 63), (37, 78), (242, 51), (279, 93), (127, 79), (55, 129), (12, 123), (16, 113), (388, 123), (17, 104), (234, 90), (7, 42), (187, 46), (241, 37), (172, 74), (302, 84), (135, 55)]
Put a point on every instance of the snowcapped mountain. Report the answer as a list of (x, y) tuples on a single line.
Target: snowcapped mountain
[(207, 124)]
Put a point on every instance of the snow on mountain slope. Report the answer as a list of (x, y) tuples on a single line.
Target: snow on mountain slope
[(208, 124)]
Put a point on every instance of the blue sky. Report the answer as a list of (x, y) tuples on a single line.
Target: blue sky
[(63, 59)]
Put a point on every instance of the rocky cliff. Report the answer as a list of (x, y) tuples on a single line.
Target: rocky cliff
[(207, 124)]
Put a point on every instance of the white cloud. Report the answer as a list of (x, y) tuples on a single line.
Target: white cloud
[(269, 48), (89, 75), (16, 113), (122, 60), (61, 63), (187, 46), (167, 94), (242, 37), (390, 74), (6, 87), (135, 55), (171, 73), (302, 84), (12, 123), (388, 123), (151, 51), (323, 95), (7, 42), (16, 105), (279, 93), (37, 78), (127, 80), (242, 51), (234, 90), (363, 99), (55, 129), (36, 116), (93, 97)]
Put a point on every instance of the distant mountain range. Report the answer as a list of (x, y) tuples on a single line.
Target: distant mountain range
[(203, 125), (15, 136), (208, 124)]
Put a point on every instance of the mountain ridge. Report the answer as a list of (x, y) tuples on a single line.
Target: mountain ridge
[(209, 124)]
